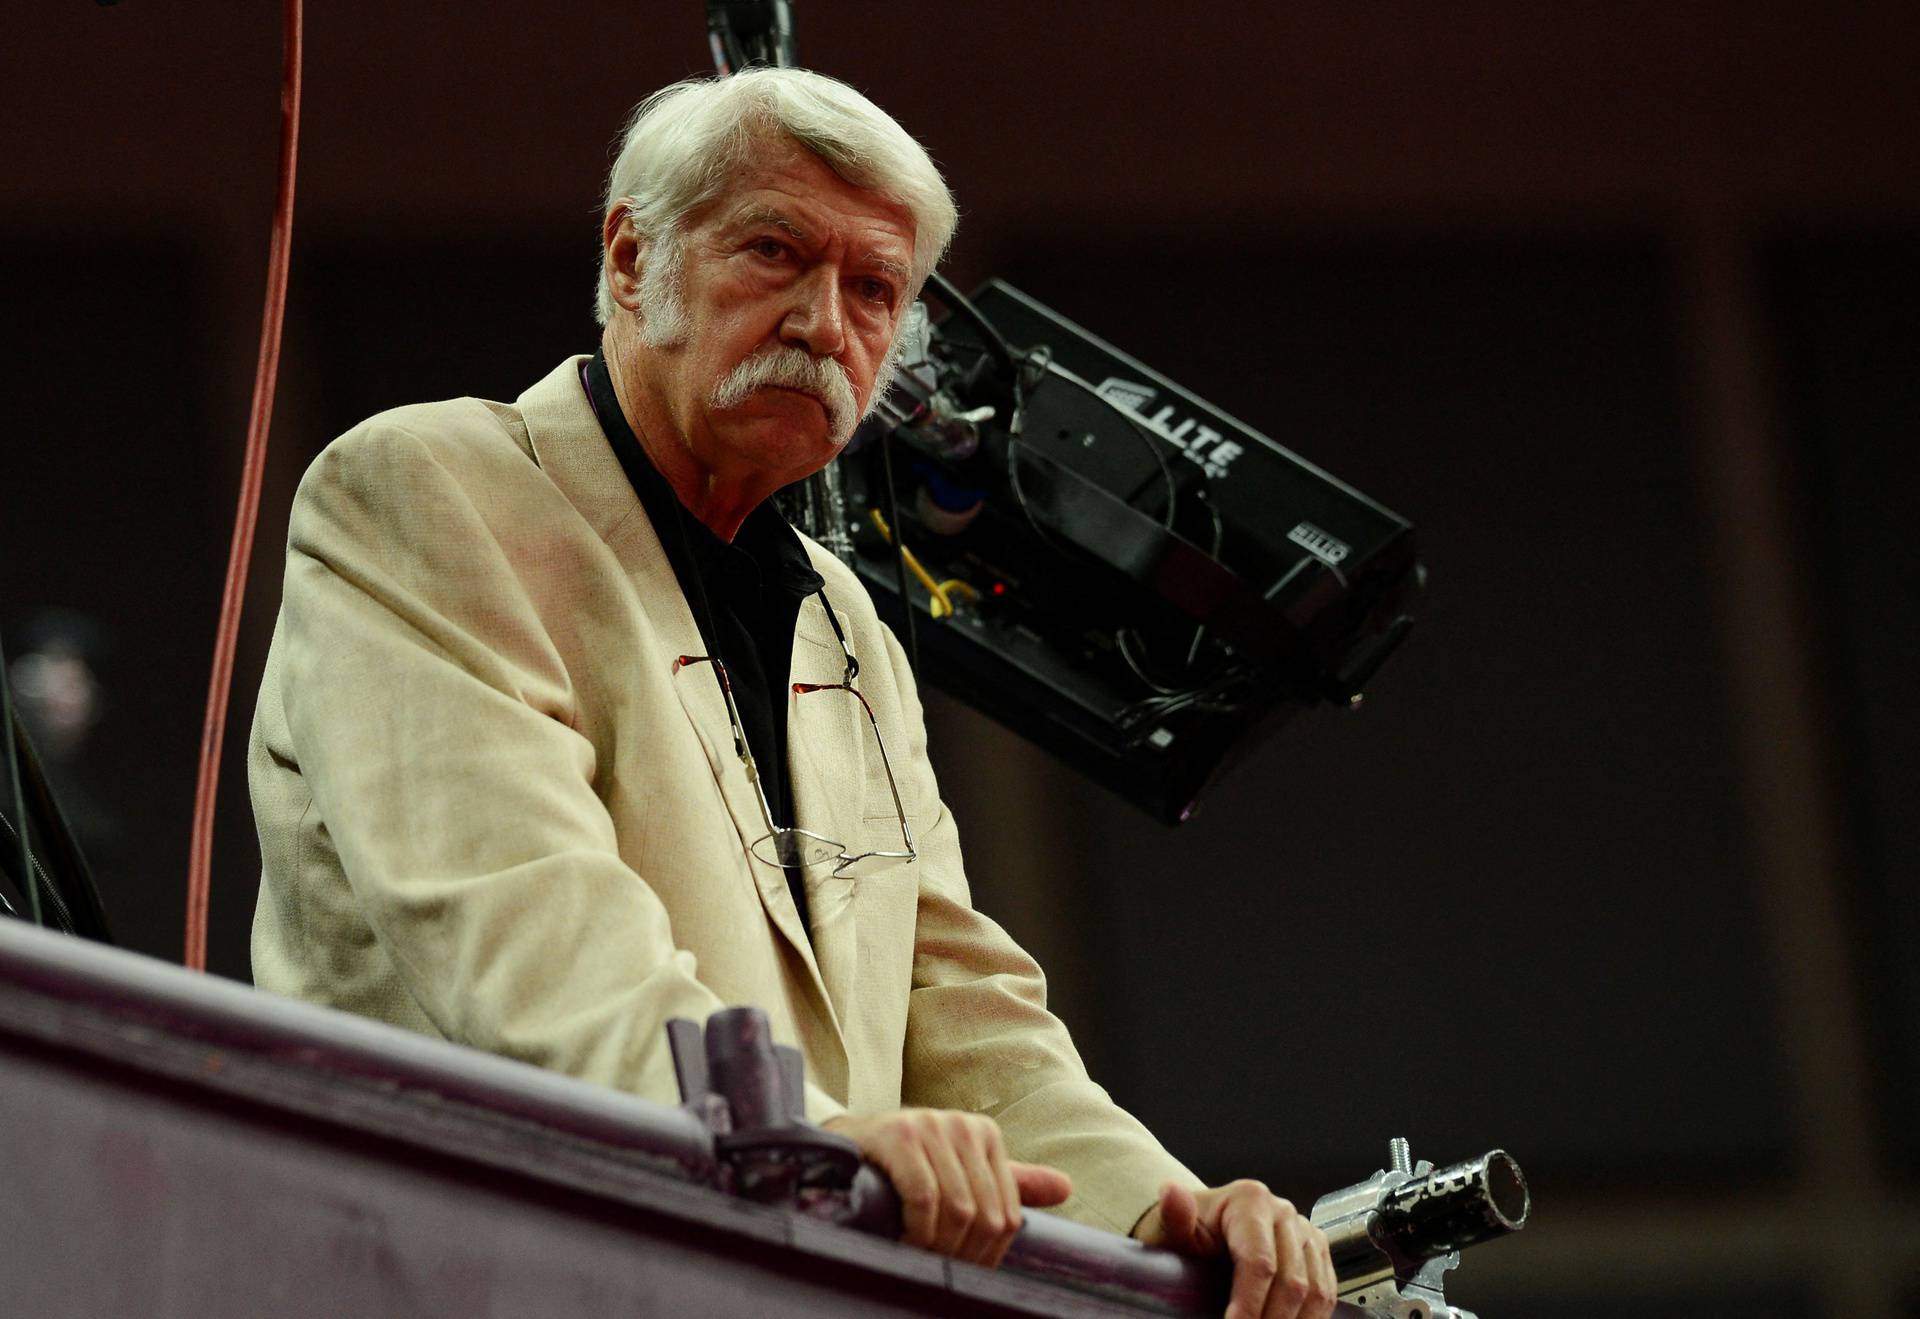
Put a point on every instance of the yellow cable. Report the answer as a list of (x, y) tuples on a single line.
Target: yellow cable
[(942, 604)]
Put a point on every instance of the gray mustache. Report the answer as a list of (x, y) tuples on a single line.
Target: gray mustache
[(789, 367)]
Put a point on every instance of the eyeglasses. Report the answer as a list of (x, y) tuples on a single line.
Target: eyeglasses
[(803, 848)]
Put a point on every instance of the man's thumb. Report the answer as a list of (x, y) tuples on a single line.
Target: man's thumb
[(1179, 1215), (1040, 1185)]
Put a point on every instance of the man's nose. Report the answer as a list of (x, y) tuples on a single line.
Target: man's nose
[(816, 319)]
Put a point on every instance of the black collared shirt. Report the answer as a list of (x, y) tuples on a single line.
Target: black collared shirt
[(753, 589)]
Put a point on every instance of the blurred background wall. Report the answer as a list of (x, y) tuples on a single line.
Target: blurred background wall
[(1619, 303)]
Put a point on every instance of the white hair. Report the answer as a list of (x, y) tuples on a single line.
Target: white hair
[(685, 143), (663, 312)]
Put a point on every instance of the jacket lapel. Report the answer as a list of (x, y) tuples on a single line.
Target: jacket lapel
[(565, 439), (826, 766), (706, 711)]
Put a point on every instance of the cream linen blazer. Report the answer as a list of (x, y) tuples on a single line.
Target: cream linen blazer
[(489, 811)]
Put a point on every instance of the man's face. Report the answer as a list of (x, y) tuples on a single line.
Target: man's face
[(792, 262)]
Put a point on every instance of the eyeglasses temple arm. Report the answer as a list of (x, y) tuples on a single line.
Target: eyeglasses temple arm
[(740, 747), (833, 621), (886, 763)]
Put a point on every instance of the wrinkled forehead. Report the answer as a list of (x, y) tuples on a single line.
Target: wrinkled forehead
[(783, 184)]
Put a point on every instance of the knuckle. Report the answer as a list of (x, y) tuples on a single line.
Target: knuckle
[(1261, 1268), (1292, 1287)]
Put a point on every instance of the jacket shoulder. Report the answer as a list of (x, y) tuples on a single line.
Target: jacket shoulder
[(453, 434), (405, 460)]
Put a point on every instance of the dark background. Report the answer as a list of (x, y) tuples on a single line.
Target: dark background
[(1620, 304)]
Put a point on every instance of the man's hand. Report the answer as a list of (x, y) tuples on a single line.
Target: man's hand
[(960, 1193), (1281, 1268)]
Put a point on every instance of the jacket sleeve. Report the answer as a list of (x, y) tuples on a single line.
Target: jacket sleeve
[(433, 718), (980, 1038)]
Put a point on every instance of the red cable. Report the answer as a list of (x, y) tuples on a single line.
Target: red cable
[(200, 863)]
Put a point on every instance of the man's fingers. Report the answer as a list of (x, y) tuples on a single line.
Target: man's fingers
[(1003, 1170), (973, 1139), (1009, 1188), (1287, 1295), (960, 1194), (919, 1190), (1325, 1286), (1040, 1185), (1281, 1266), (1246, 1220), (956, 1206), (1180, 1225)]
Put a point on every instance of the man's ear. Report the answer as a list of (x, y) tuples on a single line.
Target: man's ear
[(625, 254)]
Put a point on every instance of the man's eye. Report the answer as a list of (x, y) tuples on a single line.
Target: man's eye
[(770, 248), (876, 290)]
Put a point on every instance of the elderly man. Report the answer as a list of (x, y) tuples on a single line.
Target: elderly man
[(565, 732)]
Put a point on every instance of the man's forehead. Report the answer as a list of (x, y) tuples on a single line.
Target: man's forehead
[(809, 217), (797, 192)]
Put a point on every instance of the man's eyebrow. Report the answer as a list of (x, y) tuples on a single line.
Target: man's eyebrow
[(755, 216), (889, 266)]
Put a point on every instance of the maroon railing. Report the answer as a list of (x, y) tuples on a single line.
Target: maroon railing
[(108, 1058)]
